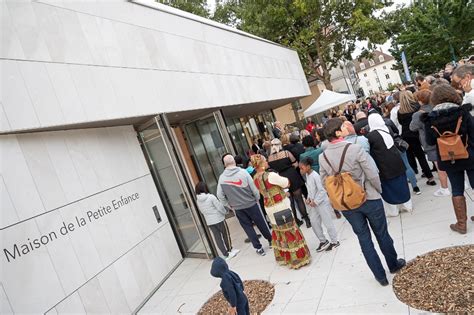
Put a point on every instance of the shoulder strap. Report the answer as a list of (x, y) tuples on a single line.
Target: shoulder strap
[(436, 129), (343, 157), (458, 124), (329, 163)]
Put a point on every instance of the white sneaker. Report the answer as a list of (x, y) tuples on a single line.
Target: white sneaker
[(406, 209), (234, 252), (442, 192)]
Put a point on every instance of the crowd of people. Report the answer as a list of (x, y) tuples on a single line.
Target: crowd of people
[(375, 148)]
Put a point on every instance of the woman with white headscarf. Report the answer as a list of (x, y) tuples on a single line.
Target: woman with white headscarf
[(383, 150)]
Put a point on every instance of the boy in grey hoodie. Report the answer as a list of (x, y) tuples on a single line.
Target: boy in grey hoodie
[(214, 214), (237, 190)]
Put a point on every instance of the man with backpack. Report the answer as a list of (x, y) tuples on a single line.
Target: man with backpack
[(353, 185)]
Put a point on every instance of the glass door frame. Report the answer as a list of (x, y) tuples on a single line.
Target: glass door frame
[(223, 132), (170, 146)]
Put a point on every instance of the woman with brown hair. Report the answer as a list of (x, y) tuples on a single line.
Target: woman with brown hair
[(408, 106), (289, 245), (285, 140), (416, 125), (445, 116)]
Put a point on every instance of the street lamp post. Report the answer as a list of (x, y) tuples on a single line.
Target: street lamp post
[(378, 80)]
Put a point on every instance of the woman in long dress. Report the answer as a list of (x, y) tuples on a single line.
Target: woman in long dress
[(289, 245), (284, 162)]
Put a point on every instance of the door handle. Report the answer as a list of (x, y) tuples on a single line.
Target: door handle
[(183, 199)]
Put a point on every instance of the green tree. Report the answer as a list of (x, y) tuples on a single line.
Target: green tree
[(198, 7), (432, 32), (323, 32)]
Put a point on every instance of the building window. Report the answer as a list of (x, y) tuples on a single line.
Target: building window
[(381, 58), (387, 76), (362, 66), (365, 75), (371, 92), (371, 62), (384, 67), (368, 83)]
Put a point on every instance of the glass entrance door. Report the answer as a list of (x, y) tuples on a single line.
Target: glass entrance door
[(208, 146), (164, 166)]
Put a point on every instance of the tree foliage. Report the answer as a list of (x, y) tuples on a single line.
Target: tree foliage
[(324, 32), (198, 7), (432, 32)]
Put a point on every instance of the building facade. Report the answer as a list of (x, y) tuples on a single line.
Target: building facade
[(344, 79), (376, 74), (110, 112)]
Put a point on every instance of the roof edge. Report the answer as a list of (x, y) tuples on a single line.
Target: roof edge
[(196, 18)]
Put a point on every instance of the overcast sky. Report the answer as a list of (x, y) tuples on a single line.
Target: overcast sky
[(359, 45)]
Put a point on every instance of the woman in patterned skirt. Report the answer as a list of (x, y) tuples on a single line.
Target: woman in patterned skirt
[(289, 245)]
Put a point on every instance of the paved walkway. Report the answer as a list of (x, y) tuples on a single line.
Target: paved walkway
[(335, 282)]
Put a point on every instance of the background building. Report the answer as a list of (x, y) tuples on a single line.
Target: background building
[(344, 79), (110, 112), (376, 74)]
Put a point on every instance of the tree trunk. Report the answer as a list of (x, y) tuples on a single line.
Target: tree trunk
[(325, 75), (294, 107), (327, 82)]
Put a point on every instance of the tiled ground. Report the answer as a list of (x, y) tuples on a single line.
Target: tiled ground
[(334, 282)]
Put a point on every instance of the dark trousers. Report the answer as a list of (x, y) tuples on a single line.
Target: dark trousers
[(371, 215), (222, 236), (296, 199), (253, 215), (456, 179), (415, 152), (242, 305)]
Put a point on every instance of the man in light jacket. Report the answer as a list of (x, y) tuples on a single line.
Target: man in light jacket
[(237, 190), (358, 163)]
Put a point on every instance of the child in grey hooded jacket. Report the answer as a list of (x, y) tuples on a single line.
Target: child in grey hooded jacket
[(214, 213), (320, 209)]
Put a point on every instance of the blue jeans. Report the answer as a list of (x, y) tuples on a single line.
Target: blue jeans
[(409, 171), (457, 181), (372, 214)]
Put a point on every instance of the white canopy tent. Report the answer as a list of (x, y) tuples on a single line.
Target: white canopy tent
[(328, 99)]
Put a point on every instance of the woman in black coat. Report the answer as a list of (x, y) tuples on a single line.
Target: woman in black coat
[(444, 117), (409, 106), (383, 150)]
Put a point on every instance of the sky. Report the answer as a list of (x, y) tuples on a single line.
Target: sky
[(359, 44)]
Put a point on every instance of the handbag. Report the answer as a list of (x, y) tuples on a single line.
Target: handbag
[(400, 144), (283, 217), (450, 145)]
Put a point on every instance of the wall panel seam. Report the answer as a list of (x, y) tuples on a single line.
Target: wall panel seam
[(174, 34), (108, 266), (70, 203), (149, 69)]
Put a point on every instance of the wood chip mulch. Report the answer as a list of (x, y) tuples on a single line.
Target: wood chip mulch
[(259, 293), (441, 281)]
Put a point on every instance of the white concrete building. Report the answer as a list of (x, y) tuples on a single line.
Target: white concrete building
[(110, 112), (376, 74), (344, 78)]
